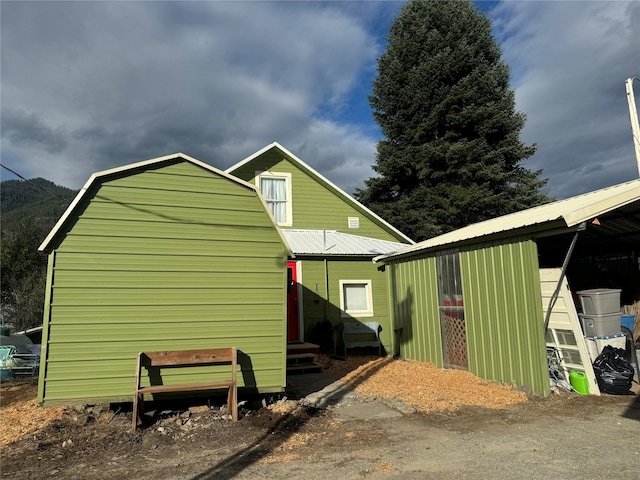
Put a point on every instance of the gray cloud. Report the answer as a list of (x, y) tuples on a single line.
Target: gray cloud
[(569, 62), (20, 128), (217, 80), (88, 86)]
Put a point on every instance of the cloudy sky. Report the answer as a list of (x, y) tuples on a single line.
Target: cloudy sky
[(87, 86)]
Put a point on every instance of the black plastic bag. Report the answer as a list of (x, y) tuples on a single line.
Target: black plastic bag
[(614, 374)]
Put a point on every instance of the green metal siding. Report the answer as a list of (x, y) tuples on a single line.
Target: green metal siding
[(318, 306), (503, 313), (414, 300), (502, 308), (164, 259), (315, 206)]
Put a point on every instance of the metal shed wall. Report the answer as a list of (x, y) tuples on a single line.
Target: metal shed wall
[(413, 289), (503, 313), (167, 258), (502, 307)]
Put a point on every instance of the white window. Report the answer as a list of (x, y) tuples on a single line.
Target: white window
[(355, 298), (275, 188)]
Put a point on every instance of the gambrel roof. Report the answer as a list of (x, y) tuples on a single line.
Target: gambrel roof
[(133, 168)]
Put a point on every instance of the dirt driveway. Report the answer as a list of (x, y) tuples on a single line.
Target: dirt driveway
[(565, 436)]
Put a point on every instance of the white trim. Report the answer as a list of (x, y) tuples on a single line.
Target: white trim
[(357, 313), (341, 192), (289, 200)]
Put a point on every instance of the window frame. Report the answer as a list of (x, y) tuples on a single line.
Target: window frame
[(368, 285), (288, 189), (451, 307)]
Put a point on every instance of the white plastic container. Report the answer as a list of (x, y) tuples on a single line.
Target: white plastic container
[(600, 325), (600, 301), (596, 344)]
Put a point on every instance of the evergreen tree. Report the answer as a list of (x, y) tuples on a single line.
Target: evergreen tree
[(28, 210), (451, 153), (23, 275)]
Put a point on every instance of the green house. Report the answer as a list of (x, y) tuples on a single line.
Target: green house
[(165, 254), (493, 297), (334, 238)]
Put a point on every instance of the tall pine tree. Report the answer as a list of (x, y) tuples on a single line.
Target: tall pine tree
[(451, 153)]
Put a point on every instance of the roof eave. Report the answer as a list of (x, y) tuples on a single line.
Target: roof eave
[(531, 231), (607, 205)]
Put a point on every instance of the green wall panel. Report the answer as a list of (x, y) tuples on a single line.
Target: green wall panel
[(503, 314), (315, 206), (319, 306), (163, 259), (414, 294)]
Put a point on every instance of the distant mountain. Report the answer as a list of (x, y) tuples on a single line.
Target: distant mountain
[(23, 202)]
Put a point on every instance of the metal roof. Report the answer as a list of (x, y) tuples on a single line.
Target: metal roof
[(569, 212), (322, 179), (330, 242)]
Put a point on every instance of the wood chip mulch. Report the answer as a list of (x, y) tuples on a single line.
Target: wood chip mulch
[(423, 385), (20, 412)]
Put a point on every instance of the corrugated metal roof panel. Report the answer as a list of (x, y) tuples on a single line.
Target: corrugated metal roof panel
[(571, 211), (330, 242)]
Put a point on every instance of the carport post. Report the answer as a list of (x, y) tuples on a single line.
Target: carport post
[(565, 264)]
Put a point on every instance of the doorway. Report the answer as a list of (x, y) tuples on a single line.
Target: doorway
[(293, 317)]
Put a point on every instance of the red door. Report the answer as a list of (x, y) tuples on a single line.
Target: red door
[(293, 331)]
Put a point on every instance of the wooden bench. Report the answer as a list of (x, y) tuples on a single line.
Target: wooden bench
[(371, 329), (182, 358)]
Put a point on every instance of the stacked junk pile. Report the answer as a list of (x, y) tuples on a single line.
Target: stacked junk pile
[(609, 335)]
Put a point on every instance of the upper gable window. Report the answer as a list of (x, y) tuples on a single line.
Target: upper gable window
[(276, 190)]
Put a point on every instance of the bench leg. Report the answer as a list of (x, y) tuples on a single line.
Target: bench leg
[(138, 405), (232, 402)]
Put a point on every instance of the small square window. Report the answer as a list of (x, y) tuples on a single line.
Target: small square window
[(356, 299)]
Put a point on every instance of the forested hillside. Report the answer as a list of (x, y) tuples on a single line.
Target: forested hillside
[(23, 201), (27, 214)]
